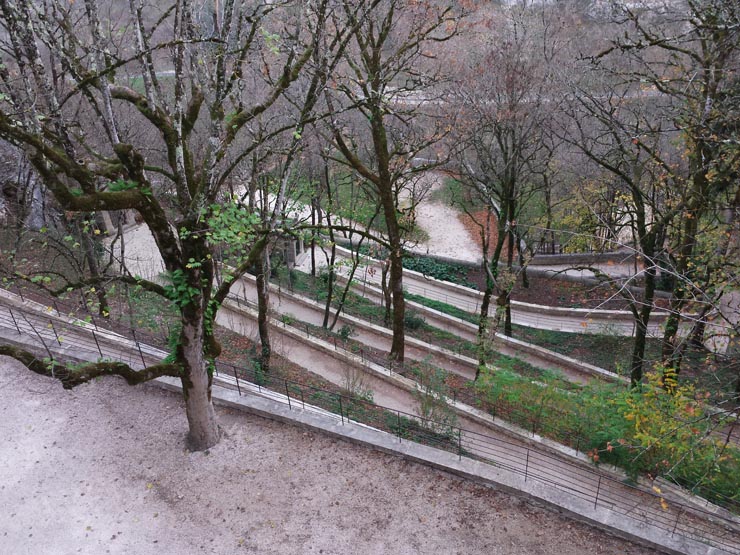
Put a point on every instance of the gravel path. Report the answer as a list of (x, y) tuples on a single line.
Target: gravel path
[(447, 235), (102, 469)]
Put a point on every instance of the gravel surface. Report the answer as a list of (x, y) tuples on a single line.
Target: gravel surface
[(447, 235), (102, 469)]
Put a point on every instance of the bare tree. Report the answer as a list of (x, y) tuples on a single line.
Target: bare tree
[(158, 124), (678, 60), (380, 101), (505, 101), (604, 128)]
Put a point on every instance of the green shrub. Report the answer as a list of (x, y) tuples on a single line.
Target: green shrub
[(649, 431), (413, 321), (345, 332), (445, 271)]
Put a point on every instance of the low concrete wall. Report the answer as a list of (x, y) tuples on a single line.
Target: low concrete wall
[(571, 320), (374, 336), (533, 354), (584, 258)]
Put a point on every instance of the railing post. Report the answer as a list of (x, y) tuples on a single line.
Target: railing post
[(92, 319), (675, 525), (526, 467), (51, 323), (136, 341), (287, 393), (459, 444), (341, 410), (398, 425), (95, 337), (14, 321), (238, 388), (598, 489)]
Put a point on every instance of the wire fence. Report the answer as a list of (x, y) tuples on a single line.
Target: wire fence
[(570, 426), (542, 416), (641, 505)]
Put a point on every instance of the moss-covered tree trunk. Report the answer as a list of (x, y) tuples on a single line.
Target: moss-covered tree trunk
[(399, 304), (671, 340), (197, 381), (263, 310)]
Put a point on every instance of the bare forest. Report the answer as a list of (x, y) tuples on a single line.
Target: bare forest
[(300, 145)]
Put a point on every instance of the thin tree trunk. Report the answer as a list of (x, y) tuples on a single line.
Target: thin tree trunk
[(509, 286), (92, 263), (263, 306), (314, 202), (330, 282), (638, 352), (685, 251), (483, 351), (483, 322), (333, 257), (387, 300), (399, 304), (523, 264), (345, 291), (641, 328)]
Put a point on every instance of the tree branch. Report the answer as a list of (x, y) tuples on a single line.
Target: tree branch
[(72, 376)]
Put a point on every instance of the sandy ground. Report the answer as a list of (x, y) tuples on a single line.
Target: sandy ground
[(102, 469)]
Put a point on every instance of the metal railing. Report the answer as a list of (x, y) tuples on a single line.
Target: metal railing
[(641, 505), (544, 419)]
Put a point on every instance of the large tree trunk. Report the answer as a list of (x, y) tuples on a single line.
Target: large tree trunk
[(35, 218), (395, 273), (671, 342), (678, 300), (196, 386)]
